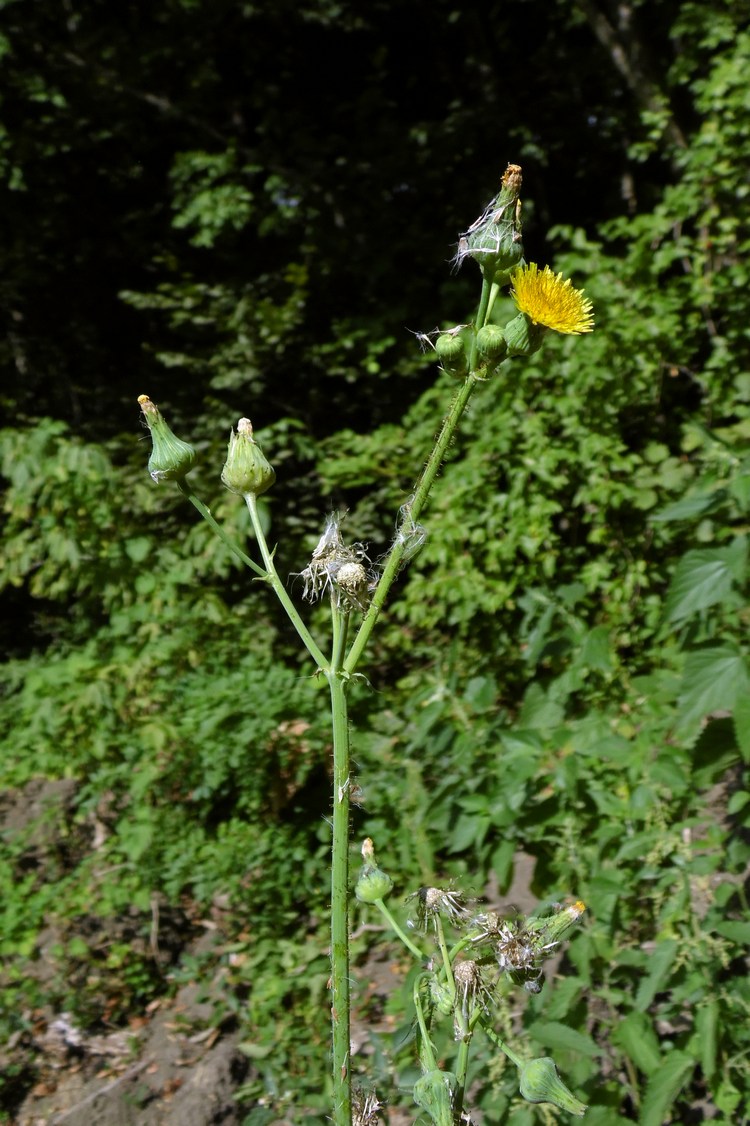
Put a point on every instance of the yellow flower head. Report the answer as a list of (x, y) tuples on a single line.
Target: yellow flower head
[(550, 301)]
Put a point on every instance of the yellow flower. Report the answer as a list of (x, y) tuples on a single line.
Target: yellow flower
[(550, 301)]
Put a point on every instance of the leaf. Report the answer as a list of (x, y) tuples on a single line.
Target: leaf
[(664, 1086), (703, 578), (660, 964), (741, 719), (635, 1035), (689, 507), (714, 679), (706, 1024), (553, 1034), (734, 931)]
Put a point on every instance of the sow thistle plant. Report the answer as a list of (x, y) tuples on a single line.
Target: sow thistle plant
[(469, 959)]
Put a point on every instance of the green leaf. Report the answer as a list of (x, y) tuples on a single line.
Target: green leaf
[(706, 1024), (741, 719), (664, 1086), (703, 578), (689, 507), (553, 1034), (735, 931), (714, 679), (660, 963), (635, 1035)]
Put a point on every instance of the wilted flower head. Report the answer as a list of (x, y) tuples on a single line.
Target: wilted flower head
[(434, 902), (520, 946), (550, 301), (338, 567), (365, 1107), (494, 239), (471, 992)]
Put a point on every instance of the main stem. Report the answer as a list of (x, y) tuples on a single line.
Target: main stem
[(342, 1092)]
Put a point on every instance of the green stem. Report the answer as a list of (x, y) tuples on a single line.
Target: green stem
[(495, 1039), (272, 576), (486, 300), (394, 925), (338, 682), (447, 966), (206, 514), (340, 620), (412, 512), (462, 1065), (426, 1051)]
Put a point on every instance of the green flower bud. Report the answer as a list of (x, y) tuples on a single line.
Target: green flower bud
[(171, 459), (554, 928), (451, 353), (246, 470), (523, 337), (491, 343), (373, 884), (494, 240), (441, 997), (433, 1093), (540, 1083)]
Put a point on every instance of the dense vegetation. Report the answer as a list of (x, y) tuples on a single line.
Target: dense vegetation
[(198, 206)]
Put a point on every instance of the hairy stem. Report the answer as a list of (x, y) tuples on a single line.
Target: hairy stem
[(342, 1095), (394, 926), (411, 514), (206, 514), (271, 574)]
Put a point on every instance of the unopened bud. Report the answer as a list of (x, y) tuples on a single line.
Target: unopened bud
[(491, 343), (540, 1083), (522, 336), (433, 1093), (554, 928), (441, 997), (246, 470), (171, 459), (451, 353), (373, 884)]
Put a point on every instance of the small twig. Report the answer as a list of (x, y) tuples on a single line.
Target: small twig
[(133, 1070)]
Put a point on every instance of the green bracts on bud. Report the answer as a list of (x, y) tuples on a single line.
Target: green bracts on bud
[(540, 1083), (557, 926), (433, 1093), (171, 459), (372, 885), (491, 343), (441, 997), (522, 336), (246, 470), (494, 240), (451, 353)]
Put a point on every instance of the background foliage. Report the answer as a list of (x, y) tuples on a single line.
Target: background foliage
[(198, 205)]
